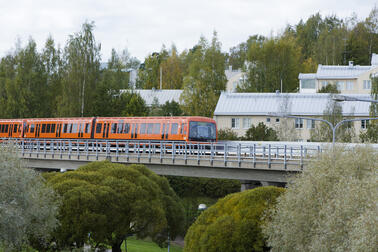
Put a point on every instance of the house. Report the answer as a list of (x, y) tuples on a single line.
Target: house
[(234, 78), (349, 79), (239, 111)]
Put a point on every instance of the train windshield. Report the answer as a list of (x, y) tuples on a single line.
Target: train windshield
[(202, 131)]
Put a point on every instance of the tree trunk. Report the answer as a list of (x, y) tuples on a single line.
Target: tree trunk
[(117, 247)]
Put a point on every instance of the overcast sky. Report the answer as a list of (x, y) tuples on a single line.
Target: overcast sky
[(143, 26)]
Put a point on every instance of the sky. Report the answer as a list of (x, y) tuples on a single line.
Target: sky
[(143, 26)]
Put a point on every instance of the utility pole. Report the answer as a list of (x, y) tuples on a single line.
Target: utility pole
[(161, 78)]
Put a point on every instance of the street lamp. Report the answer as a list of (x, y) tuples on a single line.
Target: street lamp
[(342, 98)]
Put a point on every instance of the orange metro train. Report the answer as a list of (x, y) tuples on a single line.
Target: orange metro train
[(189, 128)]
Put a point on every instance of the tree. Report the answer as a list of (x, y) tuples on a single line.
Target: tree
[(81, 73), (206, 78), (270, 62), (333, 114), (260, 133), (28, 208), (371, 134), (104, 203), (329, 89), (233, 223), (285, 128), (227, 134), (330, 206)]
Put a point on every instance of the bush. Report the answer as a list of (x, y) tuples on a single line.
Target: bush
[(233, 223), (331, 206)]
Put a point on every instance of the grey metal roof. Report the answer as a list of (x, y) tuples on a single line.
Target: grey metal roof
[(301, 104), (307, 76), (341, 72), (162, 95)]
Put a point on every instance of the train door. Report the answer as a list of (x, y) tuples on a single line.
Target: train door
[(105, 133), (81, 130), (38, 126), (58, 130), (164, 132), (10, 130)]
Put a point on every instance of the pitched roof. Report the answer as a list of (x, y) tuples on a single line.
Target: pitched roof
[(161, 95), (341, 72), (301, 104)]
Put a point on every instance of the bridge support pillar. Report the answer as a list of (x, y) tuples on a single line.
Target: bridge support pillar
[(248, 184)]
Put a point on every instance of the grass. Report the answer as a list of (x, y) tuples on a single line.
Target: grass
[(134, 245)]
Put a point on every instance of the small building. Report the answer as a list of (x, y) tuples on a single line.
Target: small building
[(161, 96), (239, 111), (349, 79)]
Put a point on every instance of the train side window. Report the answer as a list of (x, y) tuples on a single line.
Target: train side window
[(174, 129), (114, 128), (87, 128), (6, 128), (98, 128), (150, 128), (126, 128), (1, 128), (156, 129), (119, 128), (65, 128), (15, 128), (43, 128), (74, 128), (142, 128), (52, 128), (48, 126), (183, 128), (32, 127), (69, 130)]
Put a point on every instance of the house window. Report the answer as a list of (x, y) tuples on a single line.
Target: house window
[(235, 124), (349, 85), (310, 124), (308, 84), (247, 123), (268, 119), (364, 124), (367, 84), (298, 123), (340, 85)]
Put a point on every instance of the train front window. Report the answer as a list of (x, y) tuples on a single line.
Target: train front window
[(202, 131)]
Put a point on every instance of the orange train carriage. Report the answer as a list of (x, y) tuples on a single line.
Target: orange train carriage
[(191, 128)]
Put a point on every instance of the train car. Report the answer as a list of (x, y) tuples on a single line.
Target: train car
[(191, 128), (72, 128), (11, 128), (199, 129)]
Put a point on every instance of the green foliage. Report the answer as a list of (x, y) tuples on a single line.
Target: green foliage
[(233, 223), (227, 134), (371, 134), (329, 89), (271, 61), (28, 208), (169, 108), (81, 73), (330, 206), (260, 133), (206, 78), (203, 187), (111, 202)]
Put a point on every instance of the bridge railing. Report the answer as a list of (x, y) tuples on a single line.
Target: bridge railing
[(234, 154)]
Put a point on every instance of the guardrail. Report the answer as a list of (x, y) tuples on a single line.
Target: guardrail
[(226, 154)]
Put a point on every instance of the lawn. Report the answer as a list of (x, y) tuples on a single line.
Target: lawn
[(134, 245)]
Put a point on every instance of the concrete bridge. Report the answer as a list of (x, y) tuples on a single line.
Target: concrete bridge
[(250, 162)]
